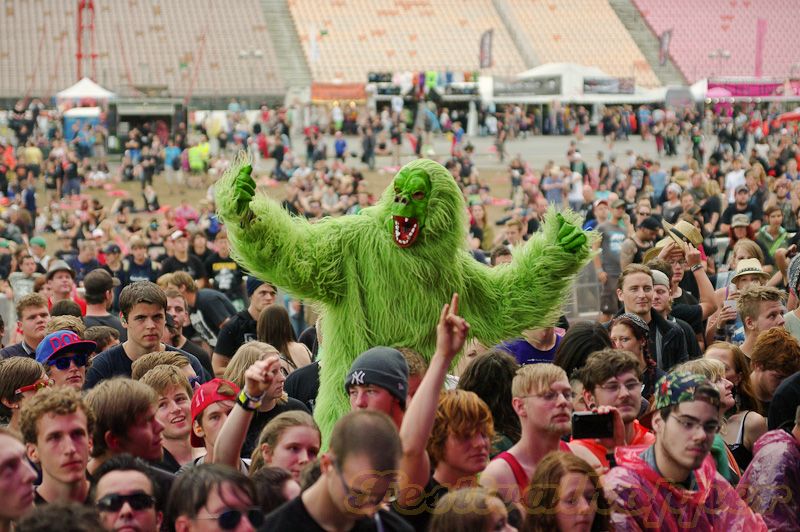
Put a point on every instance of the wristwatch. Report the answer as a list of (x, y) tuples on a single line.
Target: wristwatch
[(251, 404)]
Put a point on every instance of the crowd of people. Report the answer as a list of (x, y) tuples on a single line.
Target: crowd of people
[(151, 383)]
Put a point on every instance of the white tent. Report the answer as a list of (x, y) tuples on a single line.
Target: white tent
[(85, 89), (572, 77)]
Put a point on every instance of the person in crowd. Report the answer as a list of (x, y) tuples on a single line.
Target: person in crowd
[(743, 423), (630, 333), (726, 324), (61, 279), (32, 316), (773, 236), (209, 310), (270, 398), (772, 481), (741, 206), (212, 402), (56, 425), (20, 379), (667, 342), (16, 482), (99, 288), (242, 327), (417, 366), (222, 271), (177, 317), (139, 266), (86, 260), (714, 372), (775, 357), (674, 482), (489, 375), (22, 281), (118, 269), (164, 358), (81, 518), (761, 309), (542, 400), (274, 486), (104, 337), (274, 327), (173, 412), (355, 476), (378, 380), (607, 262), (565, 495), (210, 494), (127, 496), (182, 260), (143, 311), (633, 248), (65, 357), (662, 305), (471, 509), (612, 385), (66, 307), (582, 339), (291, 441)]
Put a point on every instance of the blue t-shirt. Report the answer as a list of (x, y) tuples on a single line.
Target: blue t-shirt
[(525, 353)]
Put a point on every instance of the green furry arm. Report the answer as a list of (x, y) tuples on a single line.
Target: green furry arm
[(303, 258), (528, 292)]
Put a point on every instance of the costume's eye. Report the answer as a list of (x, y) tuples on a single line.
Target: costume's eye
[(397, 190), (418, 195)]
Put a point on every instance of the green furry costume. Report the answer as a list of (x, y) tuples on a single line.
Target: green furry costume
[(381, 277)]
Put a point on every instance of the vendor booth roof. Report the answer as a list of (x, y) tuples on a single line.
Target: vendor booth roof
[(328, 92)]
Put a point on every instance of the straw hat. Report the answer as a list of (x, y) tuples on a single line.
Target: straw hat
[(750, 267), (679, 233)]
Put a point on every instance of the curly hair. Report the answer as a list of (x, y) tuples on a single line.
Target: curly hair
[(61, 401), (776, 349), (460, 413)]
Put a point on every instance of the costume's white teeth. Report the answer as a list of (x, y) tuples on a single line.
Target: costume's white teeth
[(405, 220)]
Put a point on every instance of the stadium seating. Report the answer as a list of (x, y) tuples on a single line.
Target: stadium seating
[(140, 43), (586, 32), (354, 37), (700, 33)]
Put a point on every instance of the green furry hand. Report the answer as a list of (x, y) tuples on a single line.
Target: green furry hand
[(570, 237), (244, 188)]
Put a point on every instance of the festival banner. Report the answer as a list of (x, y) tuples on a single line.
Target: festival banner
[(663, 49), (485, 54)]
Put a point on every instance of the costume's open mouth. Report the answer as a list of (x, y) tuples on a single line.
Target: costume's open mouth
[(405, 231)]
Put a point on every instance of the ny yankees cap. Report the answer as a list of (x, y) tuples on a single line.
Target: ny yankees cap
[(381, 366)]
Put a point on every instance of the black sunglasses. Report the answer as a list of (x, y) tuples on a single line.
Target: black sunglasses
[(63, 363), (113, 502), (229, 519)]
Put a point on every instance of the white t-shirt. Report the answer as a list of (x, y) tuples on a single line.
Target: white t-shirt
[(733, 179)]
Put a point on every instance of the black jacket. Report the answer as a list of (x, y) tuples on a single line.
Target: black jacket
[(667, 345)]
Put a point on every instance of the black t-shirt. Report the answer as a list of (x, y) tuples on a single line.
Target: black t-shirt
[(192, 266), (260, 420), (141, 272), (753, 213), (784, 404), (200, 353), (108, 320), (225, 275), (122, 275), (419, 515), (241, 328), (114, 362), (303, 384), (711, 206), (293, 515), (210, 309)]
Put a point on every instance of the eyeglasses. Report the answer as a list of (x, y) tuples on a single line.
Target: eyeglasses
[(355, 498), (690, 425), (643, 213), (36, 386), (63, 363), (615, 387), (681, 263), (552, 396), (138, 500), (229, 519)]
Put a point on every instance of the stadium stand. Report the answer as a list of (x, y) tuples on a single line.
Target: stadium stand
[(345, 39), (700, 33), (586, 32), (140, 43)]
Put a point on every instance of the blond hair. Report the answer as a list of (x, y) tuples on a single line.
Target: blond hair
[(65, 323), (536, 378), (750, 299), (710, 368), (147, 362), (246, 356), (163, 377), (273, 431)]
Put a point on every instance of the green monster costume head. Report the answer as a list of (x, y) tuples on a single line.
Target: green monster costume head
[(423, 204)]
